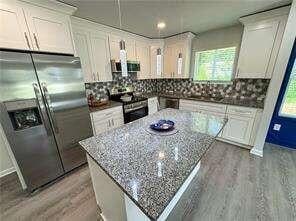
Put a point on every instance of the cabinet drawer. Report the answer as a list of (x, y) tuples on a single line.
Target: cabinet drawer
[(103, 114), (241, 111), (203, 106)]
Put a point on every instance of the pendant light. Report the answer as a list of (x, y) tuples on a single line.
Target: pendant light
[(160, 25), (158, 62), (122, 51), (180, 59), (180, 63)]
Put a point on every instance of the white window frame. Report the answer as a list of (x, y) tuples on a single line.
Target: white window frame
[(216, 81)]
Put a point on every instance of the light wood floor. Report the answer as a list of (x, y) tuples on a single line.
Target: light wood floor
[(231, 185)]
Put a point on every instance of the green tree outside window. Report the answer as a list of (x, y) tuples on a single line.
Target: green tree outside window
[(214, 65)]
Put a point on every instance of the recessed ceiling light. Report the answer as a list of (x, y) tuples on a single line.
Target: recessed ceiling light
[(161, 25)]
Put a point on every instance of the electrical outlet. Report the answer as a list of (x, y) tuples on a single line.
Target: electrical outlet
[(277, 127)]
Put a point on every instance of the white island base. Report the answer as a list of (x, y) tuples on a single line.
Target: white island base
[(115, 205)]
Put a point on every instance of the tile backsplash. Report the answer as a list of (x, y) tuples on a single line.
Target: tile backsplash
[(254, 89)]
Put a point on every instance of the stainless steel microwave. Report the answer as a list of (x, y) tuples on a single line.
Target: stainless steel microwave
[(132, 66)]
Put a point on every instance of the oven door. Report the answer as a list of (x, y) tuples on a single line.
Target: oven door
[(135, 114)]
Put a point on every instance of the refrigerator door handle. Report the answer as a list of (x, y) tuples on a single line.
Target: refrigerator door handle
[(49, 106), (40, 107)]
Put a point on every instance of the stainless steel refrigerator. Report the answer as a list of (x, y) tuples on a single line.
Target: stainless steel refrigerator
[(44, 113)]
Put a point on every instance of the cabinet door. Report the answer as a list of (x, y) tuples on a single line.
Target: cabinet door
[(50, 31), (114, 47), (13, 29), (82, 47), (100, 56), (143, 55), (130, 47), (256, 49), (117, 121), (101, 126), (171, 60), (238, 129), (168, 61)]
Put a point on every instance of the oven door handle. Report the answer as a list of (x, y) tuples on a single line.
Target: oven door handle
[(133, 109)]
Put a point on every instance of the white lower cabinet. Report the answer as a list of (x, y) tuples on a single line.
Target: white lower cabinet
[(107, 119), (240, 127), (152, 105)]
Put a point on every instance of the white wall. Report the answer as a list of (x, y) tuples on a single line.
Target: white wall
[(6, 165), (278, 75), (219, 38)]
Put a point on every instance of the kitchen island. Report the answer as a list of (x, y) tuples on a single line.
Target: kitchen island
[(138, 175)]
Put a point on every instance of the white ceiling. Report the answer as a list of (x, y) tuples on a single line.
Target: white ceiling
[(141, 16)]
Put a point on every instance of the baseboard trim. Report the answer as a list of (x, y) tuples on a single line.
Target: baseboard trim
[(6, 172), (256, 152), (234, 143)]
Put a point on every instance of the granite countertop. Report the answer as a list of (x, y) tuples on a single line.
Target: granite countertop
[(103, 107), (151, 168), (238, 102)]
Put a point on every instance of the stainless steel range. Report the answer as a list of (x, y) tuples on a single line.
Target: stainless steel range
[(44, 113), (134, 107)]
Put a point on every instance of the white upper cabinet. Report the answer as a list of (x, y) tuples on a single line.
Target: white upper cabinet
[(171, 56), (143, 56), (50, 31), (101, 56), (93, 49), (13, 29), (260, 43), (129, 47), (168, 61), (174, 46), (256, 49), (30, 27), (82, 48)]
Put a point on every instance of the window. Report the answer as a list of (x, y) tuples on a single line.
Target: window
[(214, 65), (288, 107)]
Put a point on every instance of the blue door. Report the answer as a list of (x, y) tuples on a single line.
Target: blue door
[(282, 128)]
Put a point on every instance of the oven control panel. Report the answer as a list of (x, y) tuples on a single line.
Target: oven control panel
[(134, 106)]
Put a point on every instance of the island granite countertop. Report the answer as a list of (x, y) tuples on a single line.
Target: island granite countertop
[(151, 168)]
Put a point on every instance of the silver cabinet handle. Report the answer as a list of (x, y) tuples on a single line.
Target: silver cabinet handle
[(109, 123), (94, 78), (112, 122), (36, 41), (98, 76), (27, 40), (49, 106), (237, 72)]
